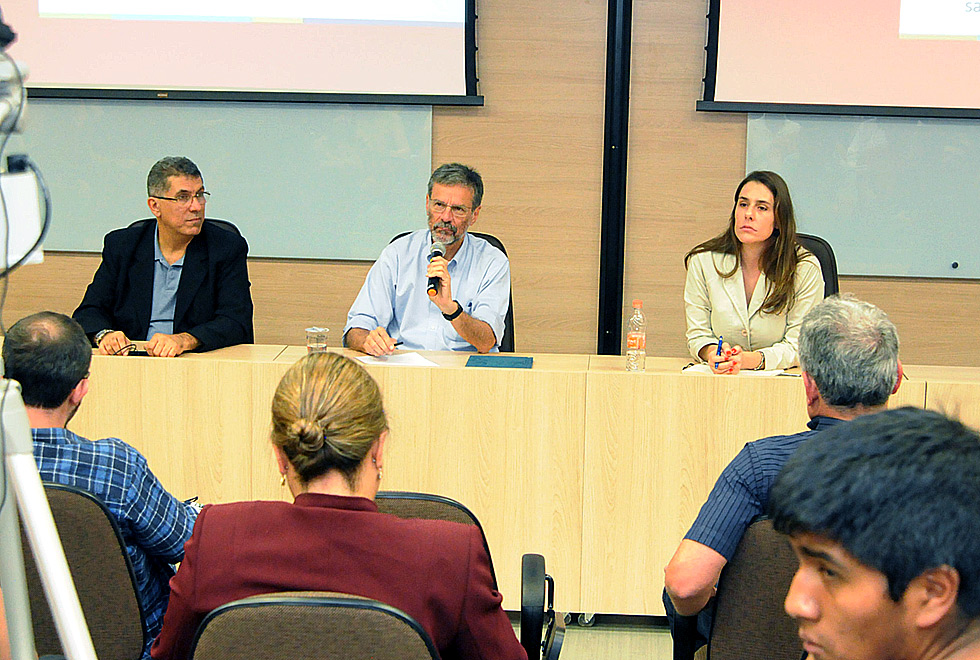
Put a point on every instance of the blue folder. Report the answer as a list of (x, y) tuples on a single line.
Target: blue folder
[(497, 360)]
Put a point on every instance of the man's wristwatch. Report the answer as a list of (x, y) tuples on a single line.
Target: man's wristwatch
[(452, 317), (100, 334)]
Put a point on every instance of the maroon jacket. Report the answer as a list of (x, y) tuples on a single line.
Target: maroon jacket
[(436, 572)]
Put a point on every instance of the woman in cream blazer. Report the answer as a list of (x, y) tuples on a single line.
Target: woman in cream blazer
[(752, 284)]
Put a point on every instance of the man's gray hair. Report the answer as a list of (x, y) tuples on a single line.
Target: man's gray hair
[(457, 174), (850, 349), (158, 180)]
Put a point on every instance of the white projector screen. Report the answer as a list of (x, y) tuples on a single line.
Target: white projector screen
[(875, 57), (305, 50)]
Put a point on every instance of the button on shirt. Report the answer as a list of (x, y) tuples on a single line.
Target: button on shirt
[(394, 293), (166, 279)]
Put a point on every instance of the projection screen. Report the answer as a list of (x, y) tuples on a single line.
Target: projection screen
[(873, 57), (388, 51)]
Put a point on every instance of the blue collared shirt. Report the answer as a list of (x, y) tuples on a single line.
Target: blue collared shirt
[(394, 293), (166, 279), (154, 524)]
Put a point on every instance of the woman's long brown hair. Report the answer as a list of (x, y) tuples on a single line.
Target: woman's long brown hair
[(781, 256)]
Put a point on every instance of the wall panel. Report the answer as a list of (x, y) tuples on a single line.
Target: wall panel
[(683, 166), (538, 142)]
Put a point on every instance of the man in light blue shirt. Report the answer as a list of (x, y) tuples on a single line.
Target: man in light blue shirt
[(466, 311)]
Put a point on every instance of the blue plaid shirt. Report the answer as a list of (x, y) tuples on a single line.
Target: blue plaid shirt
[(154, 524)]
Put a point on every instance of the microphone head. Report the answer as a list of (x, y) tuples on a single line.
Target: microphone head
[(437, 249)]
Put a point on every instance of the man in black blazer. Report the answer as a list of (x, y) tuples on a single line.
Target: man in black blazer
[(181, 283)]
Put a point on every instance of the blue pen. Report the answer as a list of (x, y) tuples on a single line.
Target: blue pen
[(719, 345)]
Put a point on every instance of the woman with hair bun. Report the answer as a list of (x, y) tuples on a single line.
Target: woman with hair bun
[(328, 433)]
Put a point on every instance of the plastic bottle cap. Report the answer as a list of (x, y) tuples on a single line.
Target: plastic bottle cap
[(638, 303)]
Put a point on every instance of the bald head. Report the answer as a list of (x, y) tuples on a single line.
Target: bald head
[(48, 354)]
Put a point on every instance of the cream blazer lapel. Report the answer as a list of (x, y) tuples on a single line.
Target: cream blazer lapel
[(734, 288), (758, 294)]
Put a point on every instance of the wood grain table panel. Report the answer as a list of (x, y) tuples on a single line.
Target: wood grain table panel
[(600, 470), (655, 445), (954, 391), (506, 443)]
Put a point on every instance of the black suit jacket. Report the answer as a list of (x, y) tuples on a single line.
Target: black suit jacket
[(213, 300)]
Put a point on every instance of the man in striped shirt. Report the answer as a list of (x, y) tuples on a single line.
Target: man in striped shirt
[(849, 358), (49, 355)]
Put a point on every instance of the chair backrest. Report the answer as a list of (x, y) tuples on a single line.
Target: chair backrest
[(220, 224), (506, 343), (533, 578), (430, 507), (103, 576), (828, 262), (749, 621), (311, 626)]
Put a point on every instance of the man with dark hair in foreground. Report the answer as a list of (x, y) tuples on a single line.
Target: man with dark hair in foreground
[(884, 516), (49, 355)]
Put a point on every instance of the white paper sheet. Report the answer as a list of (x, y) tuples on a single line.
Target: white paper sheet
[(705, 369), (403, 359)]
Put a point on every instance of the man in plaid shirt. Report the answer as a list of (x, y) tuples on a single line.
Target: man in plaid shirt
[(49, 355)]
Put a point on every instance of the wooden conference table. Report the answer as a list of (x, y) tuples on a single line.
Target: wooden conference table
[(600, 470)]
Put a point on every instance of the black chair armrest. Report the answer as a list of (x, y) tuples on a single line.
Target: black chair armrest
[(532, 604)]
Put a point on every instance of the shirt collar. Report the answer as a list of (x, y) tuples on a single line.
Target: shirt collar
[(158, 255), (820, 422), (465, 248), (336, 502), (54, 435)]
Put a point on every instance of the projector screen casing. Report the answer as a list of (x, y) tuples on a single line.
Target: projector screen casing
[(197, 58), (767, 67)]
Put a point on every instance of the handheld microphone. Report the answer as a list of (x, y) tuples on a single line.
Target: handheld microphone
[(437, 249)]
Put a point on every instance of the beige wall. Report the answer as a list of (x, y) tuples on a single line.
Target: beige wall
[(538, 143)]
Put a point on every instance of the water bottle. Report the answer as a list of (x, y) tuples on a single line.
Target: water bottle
[(636, 339)]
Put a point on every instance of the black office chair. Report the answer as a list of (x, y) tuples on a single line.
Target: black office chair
[(687, 642), (538, 614), (506, 343), (310, 626), (828, 262), (749, 620), (542, 629), (220, 224), (103, 576)]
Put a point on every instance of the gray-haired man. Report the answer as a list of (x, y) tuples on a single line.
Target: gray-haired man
[(181, 283), (849, 357), (467, 309)]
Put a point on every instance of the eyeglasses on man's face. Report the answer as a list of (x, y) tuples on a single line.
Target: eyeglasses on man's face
[(459, 212), (184, 198)]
